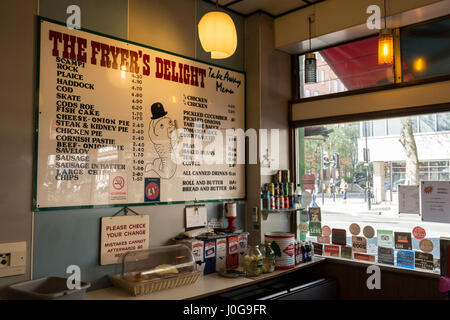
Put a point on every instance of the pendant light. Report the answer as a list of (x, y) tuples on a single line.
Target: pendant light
[(217, 34), (385, 44), (310, 61)]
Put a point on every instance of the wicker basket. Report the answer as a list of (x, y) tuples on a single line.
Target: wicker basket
[(149, 286)]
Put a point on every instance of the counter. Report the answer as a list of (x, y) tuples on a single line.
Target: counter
[(205, 286)]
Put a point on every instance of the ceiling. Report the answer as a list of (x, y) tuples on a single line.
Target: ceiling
[(274, 8)]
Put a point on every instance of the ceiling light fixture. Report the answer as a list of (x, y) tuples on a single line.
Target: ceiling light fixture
[(310, 61), (217, 34), (385, 43)]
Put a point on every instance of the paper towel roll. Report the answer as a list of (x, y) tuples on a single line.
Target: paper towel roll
[(230, 209)]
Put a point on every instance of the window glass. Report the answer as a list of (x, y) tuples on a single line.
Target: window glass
[(424, 50), (351, 66), (395, 125), (443, 121), (371, 196), (427, 123), (379, 127)]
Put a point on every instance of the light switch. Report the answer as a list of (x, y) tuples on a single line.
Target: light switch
[(13, 258)]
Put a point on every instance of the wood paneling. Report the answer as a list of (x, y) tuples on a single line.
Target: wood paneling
[(395, 285)]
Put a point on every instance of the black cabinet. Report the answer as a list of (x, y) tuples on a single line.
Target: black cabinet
[(300, 285)]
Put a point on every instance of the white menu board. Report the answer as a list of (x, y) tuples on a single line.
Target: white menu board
[(435, 201), (122, 123)]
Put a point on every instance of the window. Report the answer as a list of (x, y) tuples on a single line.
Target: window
[(353, 65), (427, 123), (443, 121), (379, 127), (307, 93), (316, 93), (424, 54), (394, 125), (424, 50), (384, 171)]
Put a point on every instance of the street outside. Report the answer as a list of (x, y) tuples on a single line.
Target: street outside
[(341, 213)]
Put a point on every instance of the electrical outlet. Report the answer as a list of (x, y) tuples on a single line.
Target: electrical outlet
[(5, 260), (13, 258)]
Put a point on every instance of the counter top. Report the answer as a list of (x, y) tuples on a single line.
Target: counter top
[(205, 286)]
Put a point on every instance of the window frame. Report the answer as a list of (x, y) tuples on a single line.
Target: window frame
[(397, 68)]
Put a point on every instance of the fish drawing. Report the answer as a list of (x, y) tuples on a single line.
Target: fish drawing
[(160, 132)]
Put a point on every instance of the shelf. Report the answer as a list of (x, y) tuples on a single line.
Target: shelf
[(283, 210), (266, 212)]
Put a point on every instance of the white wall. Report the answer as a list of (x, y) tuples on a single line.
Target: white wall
[(430, 146)]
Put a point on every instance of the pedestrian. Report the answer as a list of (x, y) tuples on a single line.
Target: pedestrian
[(344, 188), (332, 188)]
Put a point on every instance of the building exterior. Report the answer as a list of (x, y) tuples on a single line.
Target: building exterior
[(432, 136)]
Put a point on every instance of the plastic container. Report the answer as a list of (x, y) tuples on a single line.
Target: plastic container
[(157, 268), (253, 261), (298, 196), (49, 288), (269, 258)]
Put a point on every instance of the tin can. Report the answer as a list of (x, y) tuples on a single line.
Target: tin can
[(272, 202), (287, 202), (271, 187), (285, 176), (281, 186), (291, 188), (287, 189), (279, 175), (286, 243), (266, 201), (292, 201), (281, 202)]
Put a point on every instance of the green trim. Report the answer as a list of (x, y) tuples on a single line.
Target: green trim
[(301, 155), (36, 114), (40, 19), (143, 204)]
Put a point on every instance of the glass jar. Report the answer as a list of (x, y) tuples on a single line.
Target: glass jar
[(269, 258), (253, 261)]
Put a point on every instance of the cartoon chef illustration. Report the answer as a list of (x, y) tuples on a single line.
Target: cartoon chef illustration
[(160, 133)]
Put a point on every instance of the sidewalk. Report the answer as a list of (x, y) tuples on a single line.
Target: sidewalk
[(357, 205)]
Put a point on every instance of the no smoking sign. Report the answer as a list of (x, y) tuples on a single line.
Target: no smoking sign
[(118, 183), (117, 188)]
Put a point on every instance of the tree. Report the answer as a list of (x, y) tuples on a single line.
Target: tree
[(343, 140), (409, 146)]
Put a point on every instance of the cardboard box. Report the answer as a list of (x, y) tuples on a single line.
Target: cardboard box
[(221, 254), (197, 249), (210, 256), (232, 252), (243, 245)]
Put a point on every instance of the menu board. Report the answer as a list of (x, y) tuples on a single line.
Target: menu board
[(122, 123)]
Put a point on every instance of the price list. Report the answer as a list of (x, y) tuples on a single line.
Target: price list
[(137, 126)]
